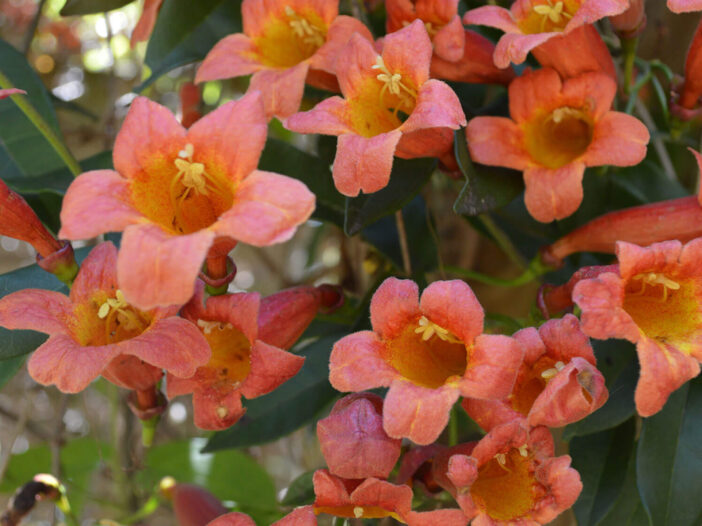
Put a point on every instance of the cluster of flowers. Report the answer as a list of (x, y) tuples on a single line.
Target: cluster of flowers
[(183, 199)]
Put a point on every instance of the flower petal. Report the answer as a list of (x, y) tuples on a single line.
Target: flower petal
[(514, 47), (358, 57), (437, 106), (684, 6), (302, 516), (235, 518), (497, 141), (329, 117), (492, 16), (281, 89), (619, 140), (36, 310), (449, 41), (553, 193), (492, 367), (230, 139), (69, 366), (355, 363), (453, 306), (97, 202), (215, 410), (364, 163), (418, 413), (408, 52), (157, 269), (267, 209), (149, 135), (233, 56), (97, 272), (270, 367), (394, 305), (338, 35)]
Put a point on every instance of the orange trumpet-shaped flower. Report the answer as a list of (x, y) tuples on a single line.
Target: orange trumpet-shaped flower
[(530, 23), (241, 364), (429, 352), (177, 193), (653, 301), (390, 107), (557, 129), (96, 331), (510, 477), (557, 384), (284, 44), (684, 6)]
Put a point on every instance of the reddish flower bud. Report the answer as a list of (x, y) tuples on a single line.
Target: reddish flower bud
[(192, 505), (189, 104), (353, 441), (632, 21), (285, 315), (691, 89)]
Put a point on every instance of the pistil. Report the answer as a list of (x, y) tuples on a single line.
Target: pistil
[(428, 329), (309, 34), (392, 83), (653, 279)]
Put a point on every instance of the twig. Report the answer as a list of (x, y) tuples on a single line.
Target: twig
[(502, 241), (29, 37), (657, 142), (402, 234)]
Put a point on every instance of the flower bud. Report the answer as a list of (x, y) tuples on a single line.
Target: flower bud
[(631, 22), (192, 505)]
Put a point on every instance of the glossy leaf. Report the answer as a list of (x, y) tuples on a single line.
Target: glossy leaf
[(9, 367), (229, 475), (601, 459), (24, 145), (407, 179), (627, 509), (301, 491), (185, 31), (88, 7), (296, 403), (669, 459), (283, 158), (616, 359), (486, 187)]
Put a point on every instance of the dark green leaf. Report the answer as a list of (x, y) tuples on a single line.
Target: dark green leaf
[(628, 504), (283, 158), (23, 143), (88, 7), (296, 403), (601, 459), (229, 475), (9, 367), (406, 180), (300, 491), (423, 251), (669, 459), (185, 31), (486, 187), (644, 183), (616, 360)]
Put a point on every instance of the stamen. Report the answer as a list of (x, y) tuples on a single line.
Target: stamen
[(118, 307), (208, 326), (310, 34), (392, 82), (548, 374), (549, 11), (358, 512), (502, 461), (653, 278), (428, 329), (523, 450), (560, 113)]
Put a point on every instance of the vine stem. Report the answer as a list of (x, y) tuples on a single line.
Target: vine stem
[(404, 247), (41, 125), (502, 241)]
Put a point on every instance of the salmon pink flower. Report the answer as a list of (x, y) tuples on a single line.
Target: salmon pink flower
[(653, 301), (192, 505), (428, 352), (95, 326), (303, 516), (684, 6), (530, 23), (391, 107), (241, 364), (510, 477), (373, 498), (632, 21), (353, 441), (234, 518), (178, 192), (686, 97), (284, 44), (558, 382), (557, 129)]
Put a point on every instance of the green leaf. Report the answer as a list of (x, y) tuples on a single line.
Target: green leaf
[(486, 187), (23, 143), (185, 31), (301, 491), (616, 360), (88, 7), (406, 180), (296, 403), (627, 507), (669, 459), (601, 459), (229, 475), (9, 367), (283, 158)]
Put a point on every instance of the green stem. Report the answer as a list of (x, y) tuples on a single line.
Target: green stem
[(526, 277), (41, 125), (629, 48), (453, 427), (502, 240)]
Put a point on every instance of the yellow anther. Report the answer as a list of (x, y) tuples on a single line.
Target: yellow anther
[(523, 450), (222, 411), (118, 308), (358, 512), (308, 33), (502, 461), (428, 329), (187, 152), (117, 303), (553, 371), (208, 326), (653, 279), (559, 114), (392, 82), (553, 12)]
